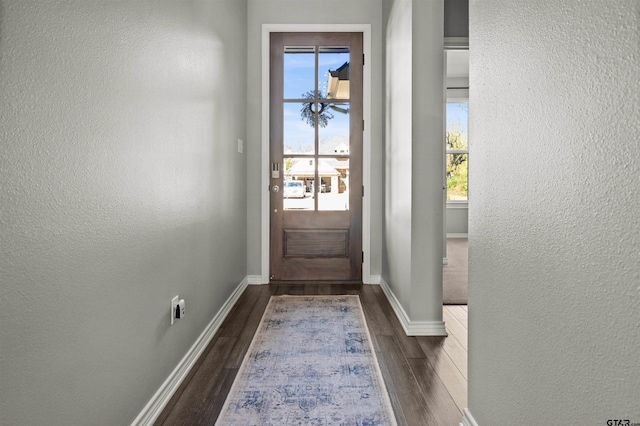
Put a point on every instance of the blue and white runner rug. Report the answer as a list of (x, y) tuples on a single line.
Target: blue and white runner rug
[(311, 362)]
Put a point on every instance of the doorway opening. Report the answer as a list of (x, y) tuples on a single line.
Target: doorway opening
[(456, 180)]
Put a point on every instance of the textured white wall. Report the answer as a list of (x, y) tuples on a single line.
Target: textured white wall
[(413, 223), (398, 183), (121, 187), (554, 274), (427, 153), (457, 220), (311, 12)]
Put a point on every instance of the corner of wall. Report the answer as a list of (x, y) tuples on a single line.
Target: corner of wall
[(412, 328), (255, 280)]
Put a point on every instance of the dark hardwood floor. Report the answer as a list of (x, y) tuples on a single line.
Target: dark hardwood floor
[(425, 376)]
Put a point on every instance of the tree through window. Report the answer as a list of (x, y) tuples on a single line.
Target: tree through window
[(457, 151)]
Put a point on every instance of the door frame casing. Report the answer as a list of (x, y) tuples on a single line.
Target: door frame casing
[(365, 29)]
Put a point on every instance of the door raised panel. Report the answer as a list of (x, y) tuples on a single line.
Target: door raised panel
[(316, 243)]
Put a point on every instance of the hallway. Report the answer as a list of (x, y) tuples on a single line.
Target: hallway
[(425, 376)]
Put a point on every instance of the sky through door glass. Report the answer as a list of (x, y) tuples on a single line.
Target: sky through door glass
[(299, 72)]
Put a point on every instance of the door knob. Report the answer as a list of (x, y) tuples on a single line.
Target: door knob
[(275, 188)]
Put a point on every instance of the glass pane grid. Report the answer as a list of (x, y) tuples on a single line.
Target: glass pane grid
[(316, 128), (457, 151)]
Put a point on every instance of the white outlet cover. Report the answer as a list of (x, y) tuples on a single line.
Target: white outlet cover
[(174, 303), (240, 146)]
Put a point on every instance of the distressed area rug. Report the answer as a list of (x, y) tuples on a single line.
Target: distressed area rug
[(311, 362)]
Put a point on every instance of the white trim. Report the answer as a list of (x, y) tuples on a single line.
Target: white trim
[(366, 137), (255, 280), (458, 204), (264, 163), (374, 280), (457, 83), (457, 95), (456, 43), (156, 404), (467, 418), (412, 328), (454, 235)]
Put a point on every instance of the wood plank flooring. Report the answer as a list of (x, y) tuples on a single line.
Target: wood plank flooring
[(426, 376)]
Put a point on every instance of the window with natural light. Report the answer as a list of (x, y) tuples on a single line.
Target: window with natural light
[(457, 150)]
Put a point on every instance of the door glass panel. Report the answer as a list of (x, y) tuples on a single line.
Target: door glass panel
[(333, 72), (318, 119), (334, 135), (299, 72), (334, 188), (298, 185), (298, 128)]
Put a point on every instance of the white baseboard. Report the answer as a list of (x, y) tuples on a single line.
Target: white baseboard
[(412, 328), (454, 235), (255, 279), (456, 43), (161, 398), (374, 279), (467, 418)]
